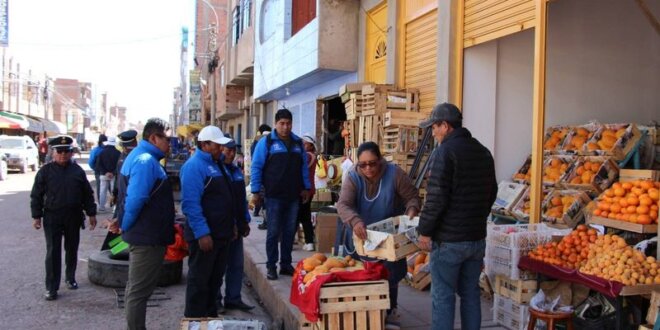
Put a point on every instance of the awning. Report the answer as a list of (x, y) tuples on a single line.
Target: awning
[(50, 126), (61, 128), (34, 125), (185, 130), (16, 119), (6, 123)]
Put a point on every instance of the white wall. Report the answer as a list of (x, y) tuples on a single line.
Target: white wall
[(603, 63)]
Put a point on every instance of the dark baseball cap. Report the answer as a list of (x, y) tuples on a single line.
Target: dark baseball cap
[(442, 112)]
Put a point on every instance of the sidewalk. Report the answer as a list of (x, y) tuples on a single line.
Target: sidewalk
[(414, 306)]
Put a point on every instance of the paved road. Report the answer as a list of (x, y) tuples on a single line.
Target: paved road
[(22, 252)]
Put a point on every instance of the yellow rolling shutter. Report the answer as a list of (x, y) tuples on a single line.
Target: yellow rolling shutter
[(421, 45), (487, 20)]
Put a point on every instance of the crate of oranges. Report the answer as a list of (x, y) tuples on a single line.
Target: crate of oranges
[(523, 205), (576, 140), (564, 207), (591, 173), (554, 138), (572, 251), (630, 205), (555, 168), (615, 140)]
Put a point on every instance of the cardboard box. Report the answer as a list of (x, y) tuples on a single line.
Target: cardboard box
[(508, 194), (325, 231), (399, 237), (322, 196)]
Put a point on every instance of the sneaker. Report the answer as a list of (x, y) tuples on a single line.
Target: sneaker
[(50, 295), (308, 247), (271, 274), (286, 270), (72, 285)]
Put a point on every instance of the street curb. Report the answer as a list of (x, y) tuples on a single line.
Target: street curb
[(280, 310)]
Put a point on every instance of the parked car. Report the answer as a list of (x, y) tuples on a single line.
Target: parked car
[(21, 152), (3, 167)]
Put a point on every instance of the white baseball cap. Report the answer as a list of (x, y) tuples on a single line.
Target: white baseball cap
[(213, 134), (111, 141)]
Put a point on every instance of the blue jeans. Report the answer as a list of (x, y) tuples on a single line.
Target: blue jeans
[(234, 274), (455, 268), (282, 221)]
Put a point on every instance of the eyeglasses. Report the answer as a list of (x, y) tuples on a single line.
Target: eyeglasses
[(62, 151), (371, 163)]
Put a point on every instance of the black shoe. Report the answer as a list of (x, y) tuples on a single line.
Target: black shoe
[(263, 226), (50, 295), (238, 305), (221, 308), (286, 270), (72, 285), (272, 274)]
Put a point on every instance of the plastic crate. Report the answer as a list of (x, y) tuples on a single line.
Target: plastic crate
[(508, 269), (510, 314)]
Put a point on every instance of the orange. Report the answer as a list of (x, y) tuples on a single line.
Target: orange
[(654, 194), (637, 191), (642, 209), (653, 215), (623, 202), (612, 215), (627, 185), (615, 208), (597, 212), (605, 206), (604, 214), (633, 201), (644, 219), (616, 185), (609, 192), (619, 192), (645, 200), (631, 209), (646, 184)]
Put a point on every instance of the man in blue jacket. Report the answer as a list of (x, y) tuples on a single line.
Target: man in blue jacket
[(280, 165), (207, 202), (234, 274), (146, 217), (93, 155)]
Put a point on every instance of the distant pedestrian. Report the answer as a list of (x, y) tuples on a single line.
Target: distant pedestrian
[(145, 218), (262, 132), (43, 149), (93, 154), (106, 163), (460, 192), (305, 210), (208, 203), (234, 274), (59, 195), (280, 165)]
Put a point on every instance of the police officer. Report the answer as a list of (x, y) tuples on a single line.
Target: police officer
[(127, 142), (234, 273), (59, 195), (208, 204)]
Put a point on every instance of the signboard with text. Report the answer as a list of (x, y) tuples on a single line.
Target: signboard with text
[(4, 23), (195, 99)]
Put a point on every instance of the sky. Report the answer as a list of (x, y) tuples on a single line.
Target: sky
[(130, 49)]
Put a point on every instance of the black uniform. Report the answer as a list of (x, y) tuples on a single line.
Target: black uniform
[(59, 195)]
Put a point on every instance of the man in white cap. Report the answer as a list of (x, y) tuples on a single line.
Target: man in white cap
[(208, 204), (106, 164)]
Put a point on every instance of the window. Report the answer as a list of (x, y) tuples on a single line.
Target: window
[(246, 8), (236, 25), (303, 12)]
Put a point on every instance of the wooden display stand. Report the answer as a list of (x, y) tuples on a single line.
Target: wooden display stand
[(395, 247), (351, 306)]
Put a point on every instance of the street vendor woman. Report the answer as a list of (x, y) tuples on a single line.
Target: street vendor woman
[(375, 190)]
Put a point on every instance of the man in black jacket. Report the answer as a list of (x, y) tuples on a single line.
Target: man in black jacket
[(59, 195), (107, 168), (460, 191)]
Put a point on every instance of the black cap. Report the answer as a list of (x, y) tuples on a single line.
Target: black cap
[(127, 136), (61, 142), (442, 112)]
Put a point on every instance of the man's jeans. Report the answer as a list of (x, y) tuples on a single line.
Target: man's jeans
[(234, 274), (282, 216), (107, 185), (455, 268)]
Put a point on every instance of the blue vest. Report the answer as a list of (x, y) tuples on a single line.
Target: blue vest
[(381, 206), (282, 173)]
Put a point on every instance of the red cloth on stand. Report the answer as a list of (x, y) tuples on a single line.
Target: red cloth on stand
[(306, 297), (608, 288)]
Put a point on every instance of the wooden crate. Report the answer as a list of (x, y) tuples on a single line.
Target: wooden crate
[(395, 247), (421, 281), (368, 129), (402, 118), (353, 106), (653, 307), (351, 305), (400, 139), (520, 291)]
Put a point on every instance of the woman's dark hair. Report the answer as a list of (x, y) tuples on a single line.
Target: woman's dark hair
[(283, 114), (154, 126), (369, 146), (264, 128), (102, 138)]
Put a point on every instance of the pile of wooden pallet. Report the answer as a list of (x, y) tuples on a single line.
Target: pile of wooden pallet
[(385, 115)]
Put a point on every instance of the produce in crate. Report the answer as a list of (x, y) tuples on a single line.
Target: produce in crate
[(555, 138), (586, 172), (554, 168), (564, 207), (319, 264), (559, 205), (612, 259), (608, 138), (634, 201), (578, 139), (571, 252)]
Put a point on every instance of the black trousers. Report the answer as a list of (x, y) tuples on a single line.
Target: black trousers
[(305, 217), (56, 226), (205, 269)]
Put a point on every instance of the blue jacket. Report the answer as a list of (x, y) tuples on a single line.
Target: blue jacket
[(147, 214), (238, 184), (281, 171), (206, 198), (92, 157)]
